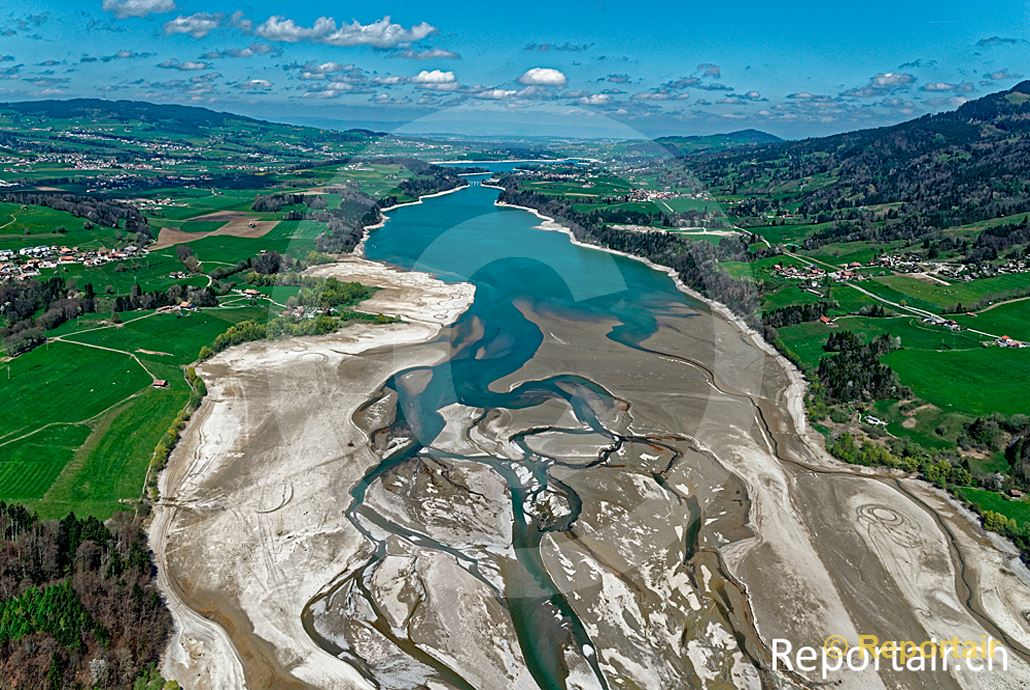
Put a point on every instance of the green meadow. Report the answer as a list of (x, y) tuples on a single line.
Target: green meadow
[(980, 381), (39, 225), (934, 296), (1012, 319), (989, 500), (82, 418)]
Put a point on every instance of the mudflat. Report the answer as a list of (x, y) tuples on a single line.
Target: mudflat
[(250, 523), (615, 512)]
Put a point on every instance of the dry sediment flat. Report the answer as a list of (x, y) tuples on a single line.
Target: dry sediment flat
[(820, 548), (250, 524)]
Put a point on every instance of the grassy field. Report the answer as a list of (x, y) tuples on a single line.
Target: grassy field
[(31, 465), (193, 202), (375, 179), (62, 382), (175, 339), (936, 297), (973, 229), (787, 234), (82, 419), (681, 204), (978, 382), (922, 422), (54, 398), (848, 252), (1012, 319), (38, 225), (95, 418), (150, 272), (990, 500), (787, 295), (107, 470)]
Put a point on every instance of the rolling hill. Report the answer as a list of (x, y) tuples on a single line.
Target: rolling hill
[(948, 168), (709, 142), (100, 126)]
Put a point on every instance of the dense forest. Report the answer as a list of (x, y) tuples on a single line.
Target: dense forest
[(31, 307), (78, 602), (854, 373)]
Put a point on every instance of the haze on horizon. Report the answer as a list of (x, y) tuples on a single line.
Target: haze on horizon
[(534, 69)]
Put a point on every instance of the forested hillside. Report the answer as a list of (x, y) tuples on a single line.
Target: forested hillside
[(946, 169)]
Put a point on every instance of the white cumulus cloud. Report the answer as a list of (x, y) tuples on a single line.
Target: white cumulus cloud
[(881, 84), (187, 66), (137, 8), (543, 76), (435, 79), (379, 34), (434, 76), (196, 25), (495, 94), (887, 80), (596, 99)]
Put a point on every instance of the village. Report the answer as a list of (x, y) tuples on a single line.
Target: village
[(28, 262), (906, 263), (913, 263), (814, 275)]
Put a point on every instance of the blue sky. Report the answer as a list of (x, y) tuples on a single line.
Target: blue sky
[(554, 68)]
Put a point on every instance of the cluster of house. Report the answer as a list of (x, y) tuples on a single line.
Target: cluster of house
[(649, 195), (1006, 341), (935, 320), (983, 269), (913, 263), (901, 263), (814, 274), (29, 261), (151, 205)]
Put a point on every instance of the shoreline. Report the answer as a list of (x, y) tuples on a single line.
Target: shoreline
[(359, 248), (227, 533), (798, 384), (275, 648)]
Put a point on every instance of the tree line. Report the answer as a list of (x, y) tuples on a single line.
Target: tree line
[(175, 294), (31, 307)]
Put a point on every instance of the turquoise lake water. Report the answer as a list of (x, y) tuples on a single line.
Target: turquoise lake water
[(463, 236)]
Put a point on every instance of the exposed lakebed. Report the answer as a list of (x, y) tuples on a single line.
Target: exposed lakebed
[(590, 480)]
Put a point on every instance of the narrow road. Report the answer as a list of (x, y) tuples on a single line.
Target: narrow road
[(1003, 302)]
